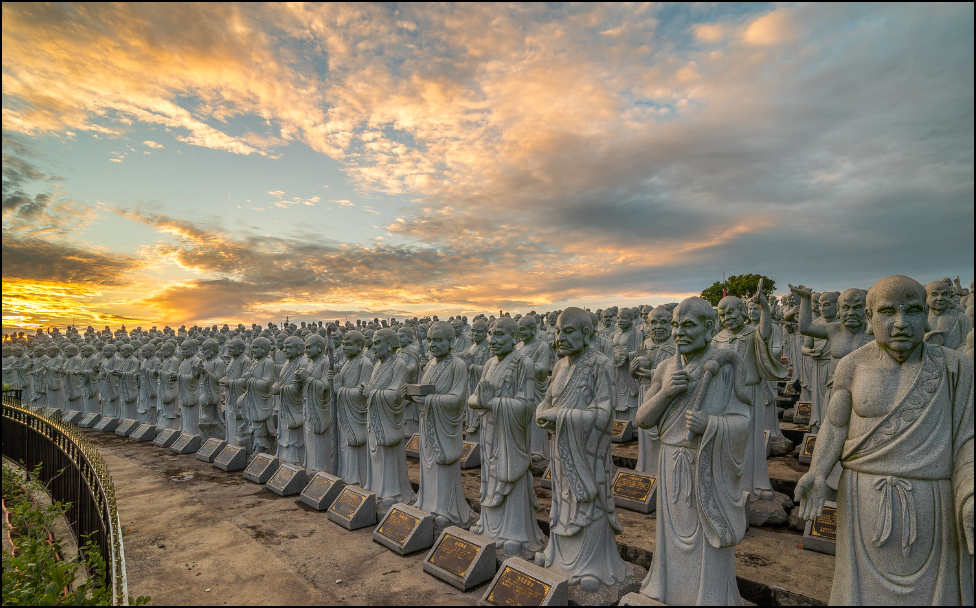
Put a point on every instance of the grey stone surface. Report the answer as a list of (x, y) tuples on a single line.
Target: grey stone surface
[(522, 583), (355, 508), (73, 417), (461, 558), (288, 480), (126, 428), (405, 529), (608, 595), (638, 599), (801, 414), (546, 479), (166, 438), (210, 449), (231, 458), (322, 490), (470, 455), (262, 468), (780, 446), (145, 432), (106, 425), (634, 491), (770, 513), (187, 444)]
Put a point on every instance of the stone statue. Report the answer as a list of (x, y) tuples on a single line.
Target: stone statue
[(128, 376), (148, 385), (751, 342), (255, 401), (188, 382), (441, 419), (578, 408), (8, 366), (37, 388), (320, 435), (289, 388), (505, 398), (21, 368), (943, 316), (657, 348), (461, 340), (109, 382), (625, 341), (211, 368), (351, 404), (73, 380), (236, 425), (387, 473), (476, 356), (409, 353), (900, 422), (89, 384), (533, 346), (54, 378), (701, 406)]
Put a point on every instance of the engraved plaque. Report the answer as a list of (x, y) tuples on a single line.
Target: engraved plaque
[(398, 525), (466, 450), (318, 488), (258, 464), (618, 427), (454, 555), (514, 588), (548, 474), (413, 445), (825, 526), (281, 478), (347, 503), (227, 455), (803, 409), (182, 442), (165, 437), (634, 487), (809, 445), (209, 448)]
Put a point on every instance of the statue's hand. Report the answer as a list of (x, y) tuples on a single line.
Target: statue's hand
[(330, 375), (801, 292), (403, 393), (811, 492), (676, 384), (696, 422), (276, 389)]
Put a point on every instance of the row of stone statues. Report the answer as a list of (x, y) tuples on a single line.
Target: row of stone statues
[(895, 414)]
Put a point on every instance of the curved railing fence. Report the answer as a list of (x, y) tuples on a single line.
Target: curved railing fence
[(75, 474)]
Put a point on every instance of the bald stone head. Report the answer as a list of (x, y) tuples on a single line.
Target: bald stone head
[(898, 314)]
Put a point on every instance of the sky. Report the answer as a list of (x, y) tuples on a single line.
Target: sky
[(206, 163)]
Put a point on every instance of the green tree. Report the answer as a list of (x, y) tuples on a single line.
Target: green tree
[(738, 285)]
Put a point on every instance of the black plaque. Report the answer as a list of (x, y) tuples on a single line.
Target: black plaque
[(347, 503), (809, 445), (803, 409), (318, 488), (398, 525), (454, 555), (414, 444), (618, 427), (281, 478), (227, 454), (825, 526), (208, 448), (634, 487), (258, 464), (515, 588)]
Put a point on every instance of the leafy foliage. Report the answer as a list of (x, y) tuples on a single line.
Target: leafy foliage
[(739, 285), (35, 574)]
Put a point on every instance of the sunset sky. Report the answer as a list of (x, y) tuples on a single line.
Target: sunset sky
[(174, 164)]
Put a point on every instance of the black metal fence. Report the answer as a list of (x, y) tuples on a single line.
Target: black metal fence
[(74, 474)]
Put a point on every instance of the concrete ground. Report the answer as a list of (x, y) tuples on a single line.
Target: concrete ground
[(199, 535)]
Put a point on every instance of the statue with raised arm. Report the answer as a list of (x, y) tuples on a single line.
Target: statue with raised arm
[(751, 342), (148, 385), (698, 399), (657, 348), (505, 398), (289, 390), (951, 324), (578, 408), (351, 404), (533, 346), (387, 473), (441, 420), (900, 422)]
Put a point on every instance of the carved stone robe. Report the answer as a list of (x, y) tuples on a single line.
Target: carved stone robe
[(38, 385), (540, 354), (74, 384), (189, 386), (89, 387), (954, 324), (109, 386), (441, 418), (235, 423), (256, 403), (476, 356), (649, 440), (387, 475), (411, 415), (129, 388), (700, 500), (169, 395), (291, 415), (148, 390), (321, 449), (211, 395), (583, 518), (21, 369), (625, 344), (54, 379), (353, 453), (902, 491), (508, 500)]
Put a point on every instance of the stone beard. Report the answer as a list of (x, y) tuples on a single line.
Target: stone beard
[(387, 474), (583, 520), (507, 498)]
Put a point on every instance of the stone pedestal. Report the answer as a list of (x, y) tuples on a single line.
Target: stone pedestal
[(820, 535), (405, 529), (802, 413), (322, 491), (621, 431), (211, 448), (73, 417), (520, 583), (262, 468), (461, 558), (107, 425), (470, 455), (635, 491), (145, 432), (354, 509), (166, 438), (126, 428), (412, 448), (288, 480), (186, 444), (231, 458), (89, 421)]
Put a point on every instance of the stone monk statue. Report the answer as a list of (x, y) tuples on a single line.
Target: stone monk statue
[(351, 404), (54, 378), (578, 408), (409, 353), (505, 400), (128, 383), (320, 439), (533, 345), (657, 348), (900, 422), (256, 399), (212, 369), (953, 324), (108, 382), (476, 357), (188, 380), (387, 473), (148, 385), (73, 380), (441, 419), (702, 409), (291, 415), (235, 423)]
